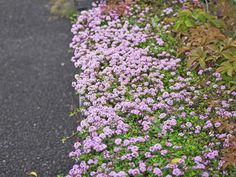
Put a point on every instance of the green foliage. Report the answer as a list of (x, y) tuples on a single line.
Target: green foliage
[(198, 57), (230, 154), (229, 54), (229, 81), (206, 46), (156, 6), (73, 17), (225, 10), (75, 111), (60, 175), (187, 19), (203, 46), (227, 67)]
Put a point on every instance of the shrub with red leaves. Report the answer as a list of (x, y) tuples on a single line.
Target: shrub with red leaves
[(116, 7)]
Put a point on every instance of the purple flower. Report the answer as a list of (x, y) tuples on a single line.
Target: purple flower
[(157, 171), (122, 174), (189, 124), (122, 85), (147, 154), (205, 174), (126, 142), (142, 167), (217, 124), (176, 172), (118, 141), (197, 159), (162, 115), (116, 149), (163, 152), (134, 172)]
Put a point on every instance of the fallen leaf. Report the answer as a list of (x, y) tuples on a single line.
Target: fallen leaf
[(33, 173)]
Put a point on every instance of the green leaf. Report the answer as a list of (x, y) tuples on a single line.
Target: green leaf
[(189, 23), (226, 67), (233, 43), (185, 13), (229, 55), (233, 82), (190, 62), (212, 47), (233, 88), (60, 176), (202, 62), (155, 21), (230, 72), (198, 55), (177, 26)]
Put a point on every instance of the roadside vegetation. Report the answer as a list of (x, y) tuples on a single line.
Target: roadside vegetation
[(158, 84)]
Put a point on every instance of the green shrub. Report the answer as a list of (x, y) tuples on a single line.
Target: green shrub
[(189, 19)]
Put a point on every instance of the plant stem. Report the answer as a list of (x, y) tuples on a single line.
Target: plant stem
[(207, 6)]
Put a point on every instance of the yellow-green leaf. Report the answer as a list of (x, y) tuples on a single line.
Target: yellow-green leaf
[(189, 23), (33, 173), (176, 160), (190, 62), (229, 55), (202, 62)]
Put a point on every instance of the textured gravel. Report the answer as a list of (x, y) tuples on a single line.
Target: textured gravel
[(35, 90)]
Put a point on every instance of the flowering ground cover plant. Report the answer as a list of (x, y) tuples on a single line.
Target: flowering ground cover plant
[(145, 113)]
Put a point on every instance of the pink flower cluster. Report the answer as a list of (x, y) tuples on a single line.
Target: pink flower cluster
[(119, 79)]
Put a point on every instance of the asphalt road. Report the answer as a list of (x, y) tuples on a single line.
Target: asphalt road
[(35, 90)]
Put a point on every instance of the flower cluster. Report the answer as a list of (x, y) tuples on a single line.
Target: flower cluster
[(142, 110)]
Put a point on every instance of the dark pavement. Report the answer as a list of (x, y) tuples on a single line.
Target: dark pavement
[(35, 90)]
